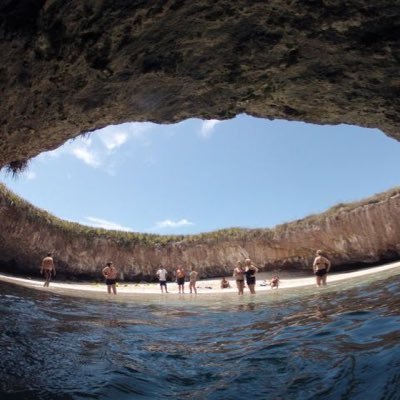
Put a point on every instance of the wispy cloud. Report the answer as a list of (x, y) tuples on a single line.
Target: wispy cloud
[(208, 127), (112, 140), (102, 223), (113, 136), (29, 175), (173, 224), (137, 129), (86, 155), (98, 150)]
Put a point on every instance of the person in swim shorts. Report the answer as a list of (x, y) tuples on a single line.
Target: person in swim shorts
[(48, 269), (180, 279), (238, 274), (162, 277), (110, 273), (321, 267)]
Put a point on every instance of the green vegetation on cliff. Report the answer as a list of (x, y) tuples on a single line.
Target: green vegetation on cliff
[(130, 239)]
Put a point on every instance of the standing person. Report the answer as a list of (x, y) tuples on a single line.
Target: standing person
[(162, 277), (180, 279), (238, 274), (193, 280), (110, 273), (47, 268), (321, 267), (251, 271)]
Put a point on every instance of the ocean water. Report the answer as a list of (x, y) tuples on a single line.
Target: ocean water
[(340, 342)]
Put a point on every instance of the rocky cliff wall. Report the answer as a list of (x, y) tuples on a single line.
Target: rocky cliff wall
[(69, 67), (351, 235)]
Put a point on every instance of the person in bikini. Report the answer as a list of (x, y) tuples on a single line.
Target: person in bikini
[(47, 269), (238, 274), (251, 271), (110, 273), (321, 267), (193, 280)]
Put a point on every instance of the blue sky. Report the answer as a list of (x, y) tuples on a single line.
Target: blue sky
[(199, 176)]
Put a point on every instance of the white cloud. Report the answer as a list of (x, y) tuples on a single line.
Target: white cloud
[(97, 149), (113, 140), (102, 223), (84, 154), (50, 155), (29, 175), (137, 129), (173, 224), (207, 127), (114, 136)]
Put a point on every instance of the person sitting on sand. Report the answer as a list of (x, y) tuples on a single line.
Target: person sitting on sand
[(225, 284), (238, 274), (251, 271), (162, 277), (321, 267), (193, 280), (110, 273), (180, 279), (47, 268), (274, 282)]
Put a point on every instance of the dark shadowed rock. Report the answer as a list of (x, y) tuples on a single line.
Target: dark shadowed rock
[(74, 66)]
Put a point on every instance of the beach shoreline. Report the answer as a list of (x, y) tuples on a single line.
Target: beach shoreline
[(204, 286)]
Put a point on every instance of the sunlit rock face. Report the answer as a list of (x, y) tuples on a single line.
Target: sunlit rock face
[(69, 67), (351, 236)]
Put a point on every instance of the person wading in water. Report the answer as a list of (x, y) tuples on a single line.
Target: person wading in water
[(251, 271), (48, 269), (321, 267), (238, 274), (110, 273)]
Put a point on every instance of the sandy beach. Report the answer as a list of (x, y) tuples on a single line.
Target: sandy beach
[(204, 286)]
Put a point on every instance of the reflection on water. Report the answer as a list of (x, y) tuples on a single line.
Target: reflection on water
[(338, 343)]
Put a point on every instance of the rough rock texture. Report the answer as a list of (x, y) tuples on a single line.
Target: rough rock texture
[(69, 67), (363, 233)]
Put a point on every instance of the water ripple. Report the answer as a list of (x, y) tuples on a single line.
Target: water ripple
[(334, 344)]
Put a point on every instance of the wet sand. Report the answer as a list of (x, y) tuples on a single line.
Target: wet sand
[(204, 286)]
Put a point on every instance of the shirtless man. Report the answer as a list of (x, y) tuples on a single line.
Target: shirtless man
[(110, 273), (48, 269), (180, 279), (321, 267)]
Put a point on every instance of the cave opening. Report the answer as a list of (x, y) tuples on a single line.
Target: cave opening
[(203, 175)]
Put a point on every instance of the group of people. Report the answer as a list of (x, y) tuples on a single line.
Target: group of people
[(243, 272), (180, 274)]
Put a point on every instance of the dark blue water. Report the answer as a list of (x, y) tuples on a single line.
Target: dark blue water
[(338, 343)]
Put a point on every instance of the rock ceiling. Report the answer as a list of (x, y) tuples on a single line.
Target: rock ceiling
[(70, 67)]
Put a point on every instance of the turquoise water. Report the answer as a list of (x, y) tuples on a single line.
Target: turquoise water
[(336, 343)]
